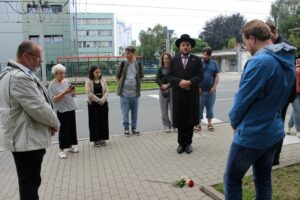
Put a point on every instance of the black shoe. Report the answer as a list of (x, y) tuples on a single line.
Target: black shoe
[(188, 149), (102, 143), (126, 133), (180, 149), (97, 144), (134, 132)]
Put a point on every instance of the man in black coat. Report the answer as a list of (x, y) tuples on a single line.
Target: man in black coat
[(276, 39), (185, 75)]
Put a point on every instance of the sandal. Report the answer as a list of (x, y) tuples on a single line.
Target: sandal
[(62, 155), (210, 128), (197, 128), (74, 150)]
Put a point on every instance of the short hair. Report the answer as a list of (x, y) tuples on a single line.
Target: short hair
[(130, 49), (257, 29), (25, 46), (162, 64), (272, 26), (91, 72), (58, 67), (207, 50)]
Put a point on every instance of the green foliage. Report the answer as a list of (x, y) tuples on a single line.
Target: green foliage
[(220, 29), (286, 15), (294, 39), (231, 43), (200, 44), (285, 184), (151, 41)]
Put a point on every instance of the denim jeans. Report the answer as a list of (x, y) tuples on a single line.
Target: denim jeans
[(295, 117), (239, 161), (166, 108), (129, 104), (208, 101)]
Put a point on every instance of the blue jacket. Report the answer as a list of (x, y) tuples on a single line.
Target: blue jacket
[(264, 88)]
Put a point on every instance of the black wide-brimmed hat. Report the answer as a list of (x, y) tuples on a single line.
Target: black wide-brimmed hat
[(185, 38)]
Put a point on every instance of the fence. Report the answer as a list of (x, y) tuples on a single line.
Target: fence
[(77, 67)]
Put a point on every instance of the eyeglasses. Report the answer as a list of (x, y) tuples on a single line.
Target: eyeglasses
[(39, 57)]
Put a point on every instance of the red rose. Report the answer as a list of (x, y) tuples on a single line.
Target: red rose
[(190, 182)]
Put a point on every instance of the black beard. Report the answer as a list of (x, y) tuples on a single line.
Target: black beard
[(185, 54)]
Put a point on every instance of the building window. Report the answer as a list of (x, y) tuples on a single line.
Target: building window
[(55, 8), (95, 44), (105, 44), (34, 38), (104, 21), (105, 33), (54, 39)]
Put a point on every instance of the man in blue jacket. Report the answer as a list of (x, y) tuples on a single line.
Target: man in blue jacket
[(255, 115)]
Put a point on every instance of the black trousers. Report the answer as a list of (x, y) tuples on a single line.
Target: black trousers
[(28, 166), (279, 148), (67, 132), (185, 136)]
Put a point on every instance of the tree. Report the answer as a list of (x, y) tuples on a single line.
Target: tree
[(231, 43), (220, 29), (200, 44), (295, 40), (286, 16), (151, 41)]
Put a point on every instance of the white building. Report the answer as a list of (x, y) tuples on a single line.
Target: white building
[(123, 36), (230, 60), (11, 32)]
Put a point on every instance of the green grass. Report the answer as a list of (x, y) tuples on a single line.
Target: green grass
[(285, 183), (112, 87)]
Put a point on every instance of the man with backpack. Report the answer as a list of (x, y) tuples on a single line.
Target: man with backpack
[(129, 75)]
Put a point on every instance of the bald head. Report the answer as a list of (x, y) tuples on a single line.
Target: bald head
[(29, 54)]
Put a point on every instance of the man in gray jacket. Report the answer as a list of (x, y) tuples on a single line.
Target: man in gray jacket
[(27, 119)]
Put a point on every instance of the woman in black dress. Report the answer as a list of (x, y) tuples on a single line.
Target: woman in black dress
[(97, 91)]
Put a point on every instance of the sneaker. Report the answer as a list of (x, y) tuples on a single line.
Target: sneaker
[(134, 132), (62, 155), (74, 150), (298, 134), (126, 133), (167, 130), (288, 131)]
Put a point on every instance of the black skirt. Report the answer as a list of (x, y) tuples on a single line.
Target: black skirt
[(98, 121), (67, 132)]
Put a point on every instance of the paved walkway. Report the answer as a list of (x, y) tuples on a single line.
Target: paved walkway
[(132, 168)]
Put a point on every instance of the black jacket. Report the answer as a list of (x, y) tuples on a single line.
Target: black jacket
[(185, 102)]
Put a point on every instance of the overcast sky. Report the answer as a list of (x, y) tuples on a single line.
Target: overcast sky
[(183, 16)]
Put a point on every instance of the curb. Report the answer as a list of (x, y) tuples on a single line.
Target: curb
[(216, 195), (212, 192)]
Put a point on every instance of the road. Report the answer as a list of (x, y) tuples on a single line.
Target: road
[(149, 111)]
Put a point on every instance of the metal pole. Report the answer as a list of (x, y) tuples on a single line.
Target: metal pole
[(42, 44), (168, 41)]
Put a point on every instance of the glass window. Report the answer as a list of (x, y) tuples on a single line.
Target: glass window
[(56, 8), (105, 44), (58, 38), (104, 21), (105, 33), (34, 38), (92, 21), (47, 39)]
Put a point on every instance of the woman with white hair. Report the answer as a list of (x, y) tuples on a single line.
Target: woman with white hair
[(62, 93)]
